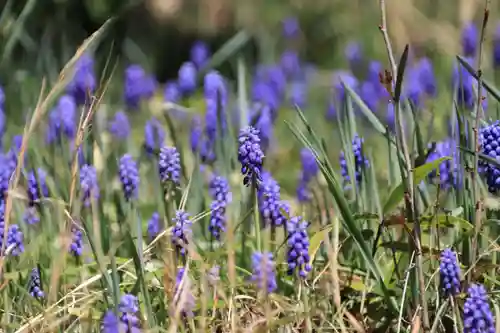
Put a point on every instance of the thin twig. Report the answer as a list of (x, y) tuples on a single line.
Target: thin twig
[(474, 173)]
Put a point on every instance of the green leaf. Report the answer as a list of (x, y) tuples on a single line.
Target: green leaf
[(486, 84), (419, 174), (316, 241), (400, 74)]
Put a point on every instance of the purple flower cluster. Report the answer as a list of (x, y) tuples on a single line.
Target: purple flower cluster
[(477, 313), (183, 293), (470, 37), (37, 186), (169, 165), (62, 120), (129, 307), (84, 82), (447, 169), (250, 155), (449, 270), (181, 232), (15, 239), (154, 135), (489, 140), (270, 203), (466, 87), (187, 78), (221, 196), (154, 226), (199, 54), (88, 184), (298, 247), (196, 133), (360, 162), (309, 170), (119, 126), (35, 284), (496, 47), (76, 246), (129, 177), (138, 86), (264, 274)]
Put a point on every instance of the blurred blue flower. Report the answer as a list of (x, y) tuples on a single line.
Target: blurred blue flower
[(196, 133), (35, 284), (31, 215), (119, 126), (298, 94), (76, 247), (354, 54), (84, 82), (447, 169), (298, 247), (449, 270), (426, 77), (154, 135), (129, 177), (137, 86), (263, 271), (181, 232), (413, 89), (290, 63), (199, 54), (172, 92), (250, 155), (466, 85), (88, 184), (37, 186), (470, 38), (111, 324), (129, 307), (270, 203), (359, 164), (5, 175), (496, 47), (14, 240), (263, 93), (183, 292), (265, 126), (216, 99), (291, 27), (169, 165), (477, 313), (154, 226), (309, 170), (187, 78), (62, 120), (375, 69), (340, 79), (390, 117)]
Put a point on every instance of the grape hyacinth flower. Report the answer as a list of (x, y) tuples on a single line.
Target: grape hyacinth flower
[(187, 78), (37, 186), (264, 274), (76, 247), (489, 140), (88, 184), (298, 247), (31, 216), (496, 47), (470, 38), (265, 127), (270, 203), (340, 80), (250, 155), (5, 174), (216, 96), (354, 54), (291, 28), (169, 165), (196, 133), (309, 170), (172, 94), (154, 135), (199, 54), (154, 226), (447, 169), (111, 324), (35, 284), (119, 126), (426, 77), (298, 94), (129, 307), (137, 86), (221, 196), (181, 232), (290, 63), (360, 161), (14, 240), (478, 317), (183, 293), (129, 177), (62, 120), (84, 82), (449, 270)]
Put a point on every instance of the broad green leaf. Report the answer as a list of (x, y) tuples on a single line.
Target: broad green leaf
[(419, 174), (316, 241)]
